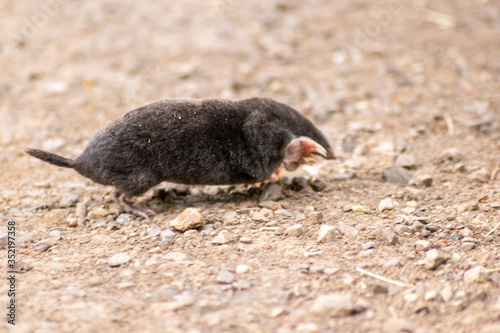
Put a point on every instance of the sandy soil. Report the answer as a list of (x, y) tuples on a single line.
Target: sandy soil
[(409, 83)]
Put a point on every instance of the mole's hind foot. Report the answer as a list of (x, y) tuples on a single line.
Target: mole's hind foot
[(303, 150), (120, 198)]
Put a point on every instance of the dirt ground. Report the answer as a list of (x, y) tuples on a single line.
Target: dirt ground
[(402, 83)]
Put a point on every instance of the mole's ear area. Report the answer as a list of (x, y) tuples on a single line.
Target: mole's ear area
[(303, 150)]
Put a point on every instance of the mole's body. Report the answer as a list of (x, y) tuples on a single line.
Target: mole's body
[(202, 142)]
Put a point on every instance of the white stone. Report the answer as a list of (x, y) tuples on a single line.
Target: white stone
[(294, 230), (190, 218)]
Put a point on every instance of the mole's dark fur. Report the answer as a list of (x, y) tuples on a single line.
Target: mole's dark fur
[(210, 141)]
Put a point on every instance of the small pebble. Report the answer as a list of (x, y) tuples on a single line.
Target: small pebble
[(225, 277), (422, 245), (336, 305), (446, 293), (270, 205), (405, 161), (69, 200), (396, 174), (317, 217), (326, 233), (190, 218), (245, 240), (307, 328), (55, 234), (242, 269), (434, 258), (258, 217), (377, 288), (222, 237), (467, 246), (294, 230), (317, 185), (175, 256), (300, 217), (345, 229), (167, 237), (368, 245), (272, 192), (44, 245), (283, 212), (123, 218), (475, 274), (119, 259), (386, 204), (386, 234), (330, 270)]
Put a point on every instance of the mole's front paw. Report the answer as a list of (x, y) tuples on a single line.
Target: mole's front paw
[(303, 150)]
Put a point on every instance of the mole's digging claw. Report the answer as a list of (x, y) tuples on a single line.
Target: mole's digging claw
[(120, 198)]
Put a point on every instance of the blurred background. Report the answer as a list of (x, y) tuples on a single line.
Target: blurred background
[(69, 64)]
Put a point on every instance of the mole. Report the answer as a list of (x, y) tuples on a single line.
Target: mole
[(195, 142)]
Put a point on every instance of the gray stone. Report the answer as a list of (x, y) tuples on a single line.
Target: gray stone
[(167, 238), (119, 259), (272, 192), (467, 246), (465, 232), (405, 161), (300, 217), (222, 237), (386, 234), (45, 244), (316, 217), (434, 258), (336, 305), (225, 277), (345, 229), (190, 218), (378, 288), (317, 185), (258, 217), (385, 204), (123, 218), (397, 175), (283, 212), (69, 200), (326, 233), (154, 231), (55, 234)]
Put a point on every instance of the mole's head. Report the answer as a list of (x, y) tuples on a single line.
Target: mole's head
[(301, 126)]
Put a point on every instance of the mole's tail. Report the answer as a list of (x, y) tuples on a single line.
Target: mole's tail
[(51, 158)]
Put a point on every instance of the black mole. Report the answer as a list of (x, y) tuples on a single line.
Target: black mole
[(195, 142)]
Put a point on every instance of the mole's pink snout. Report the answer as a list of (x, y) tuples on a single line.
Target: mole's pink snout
[(330, 155)]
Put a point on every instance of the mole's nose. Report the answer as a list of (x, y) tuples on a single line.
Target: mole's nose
[(330, 155)]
